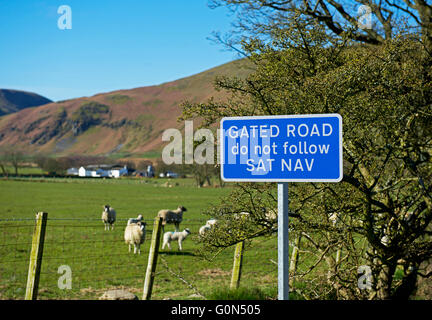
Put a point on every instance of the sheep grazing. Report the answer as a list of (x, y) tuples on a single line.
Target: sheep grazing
[(207, 226), (108, 217), (135, 235), (135, 220), (179, 236), (172, 216)]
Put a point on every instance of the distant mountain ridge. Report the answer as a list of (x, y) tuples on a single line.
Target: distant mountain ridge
[(127, 123), (15, 100)]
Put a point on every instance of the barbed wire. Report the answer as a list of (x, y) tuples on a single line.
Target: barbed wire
[(204, 220), (100, 259)]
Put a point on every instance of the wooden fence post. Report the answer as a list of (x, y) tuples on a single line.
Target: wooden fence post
[(294, 259), (152, 259), (36, 256), (238, 260)]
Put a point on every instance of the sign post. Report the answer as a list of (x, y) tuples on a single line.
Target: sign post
[(283, 242), (282, 149)]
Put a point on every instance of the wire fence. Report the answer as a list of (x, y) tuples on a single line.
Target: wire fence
[(15, 246), (81, 260)]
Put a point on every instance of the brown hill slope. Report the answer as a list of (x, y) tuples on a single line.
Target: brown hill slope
[(15, 100), (124, 122)]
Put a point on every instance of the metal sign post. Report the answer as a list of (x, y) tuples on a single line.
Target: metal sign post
[(282, 149), (283, 242)]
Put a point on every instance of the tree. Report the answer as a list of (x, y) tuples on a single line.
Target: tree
[(54, 166), (382, 89), (3, 164), (143, 164), (340, 17), (12, 157)]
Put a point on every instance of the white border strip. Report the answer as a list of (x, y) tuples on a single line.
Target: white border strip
[(325, 115)]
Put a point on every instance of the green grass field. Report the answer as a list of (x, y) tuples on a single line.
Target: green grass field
[(98, 259), (24, 170)]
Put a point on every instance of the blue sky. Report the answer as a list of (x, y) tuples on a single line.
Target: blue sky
[(112, 44)]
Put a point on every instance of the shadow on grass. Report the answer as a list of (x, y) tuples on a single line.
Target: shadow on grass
[(177, 253), (242, 294)]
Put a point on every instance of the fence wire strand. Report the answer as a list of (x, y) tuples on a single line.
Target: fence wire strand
[(100, 260)]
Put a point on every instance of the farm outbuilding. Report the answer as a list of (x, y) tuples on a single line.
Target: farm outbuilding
[(118, 171), (112, 171)]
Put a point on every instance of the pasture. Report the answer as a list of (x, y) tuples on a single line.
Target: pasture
[(98, 259)]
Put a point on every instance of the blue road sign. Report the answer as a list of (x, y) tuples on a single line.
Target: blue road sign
[(288, 148)]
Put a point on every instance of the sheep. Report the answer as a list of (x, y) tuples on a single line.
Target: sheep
[(172, 216), (135, 235), (211, 222), (170, 236), (271, 215), (207, 226), (135, 220), (108, 217), (203, 229)]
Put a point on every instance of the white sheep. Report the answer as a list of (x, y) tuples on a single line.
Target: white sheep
[(211, 222), (207, 226), (135, 235), (108, 217), (135, 220), (172, 216), (179, 236), (271, 215)]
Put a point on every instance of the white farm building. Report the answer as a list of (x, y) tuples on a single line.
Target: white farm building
[(100, 171)]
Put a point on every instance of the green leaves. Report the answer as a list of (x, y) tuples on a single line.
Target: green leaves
[(384, 95)]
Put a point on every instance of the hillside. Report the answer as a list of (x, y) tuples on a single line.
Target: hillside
[(15, 100), (119, 123)]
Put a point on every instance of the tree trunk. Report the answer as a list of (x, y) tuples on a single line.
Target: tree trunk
[(3, 170), (385, 279), (425, 14)]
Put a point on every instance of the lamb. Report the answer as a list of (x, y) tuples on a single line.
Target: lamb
[(207, 226), (172, 216), (179, 236), (135, 220), (203, 229), (135, 235), (108, 217)]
